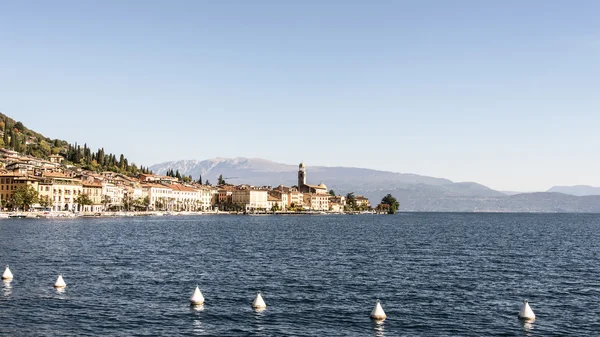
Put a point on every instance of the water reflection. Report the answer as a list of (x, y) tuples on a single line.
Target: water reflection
[(197, 307), (7, 288), (378, 328), (259, 324), (60, 290), (527, 327), (198, 326)]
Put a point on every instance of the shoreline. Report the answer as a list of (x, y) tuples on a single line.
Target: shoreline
[(67, 214)]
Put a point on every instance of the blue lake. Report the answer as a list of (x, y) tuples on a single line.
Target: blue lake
[(436, 274)]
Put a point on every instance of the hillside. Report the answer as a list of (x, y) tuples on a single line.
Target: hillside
[(16, 136)]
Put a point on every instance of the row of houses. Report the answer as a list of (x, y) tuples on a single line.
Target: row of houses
[(60, 189)]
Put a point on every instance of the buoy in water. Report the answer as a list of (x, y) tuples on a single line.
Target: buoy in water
[(378, 313), (259, 303), (526, 313), (60, 283), (7, 274), (197, 298)]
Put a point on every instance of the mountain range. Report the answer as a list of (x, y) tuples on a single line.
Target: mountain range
[(414, 192)]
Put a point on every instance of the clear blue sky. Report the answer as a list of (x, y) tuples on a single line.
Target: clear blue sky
[(504, 93)]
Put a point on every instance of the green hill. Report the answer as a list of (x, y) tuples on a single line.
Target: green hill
[(17, 137)]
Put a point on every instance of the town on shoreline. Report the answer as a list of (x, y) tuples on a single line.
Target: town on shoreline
[(50, 188)]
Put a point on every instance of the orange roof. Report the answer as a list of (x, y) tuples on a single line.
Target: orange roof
[(183, 188)]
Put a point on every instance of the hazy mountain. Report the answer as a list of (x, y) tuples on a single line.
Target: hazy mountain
[(264, 172), (578, 190), (415, 192)]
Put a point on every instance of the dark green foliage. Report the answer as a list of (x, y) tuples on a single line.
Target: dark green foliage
[(24, 196), (84, 199), (392, 202), (351, 200)]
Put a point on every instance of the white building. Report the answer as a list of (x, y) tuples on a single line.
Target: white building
[(251, 199), (159, 195)]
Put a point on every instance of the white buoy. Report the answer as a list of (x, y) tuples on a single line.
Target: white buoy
[(378, 313), (259, 303), (7, 274), (526, 313), (60, 283), (197, 297)]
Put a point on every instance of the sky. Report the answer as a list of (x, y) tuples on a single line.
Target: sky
[(503, 93)]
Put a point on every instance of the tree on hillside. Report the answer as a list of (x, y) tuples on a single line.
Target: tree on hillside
[(15, 141), (332, 192), (6, 137), (221, 181), (200, 179), (207, 183), (392, 202), (24, 196)]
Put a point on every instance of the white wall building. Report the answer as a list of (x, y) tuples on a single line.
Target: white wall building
[(251, 199)]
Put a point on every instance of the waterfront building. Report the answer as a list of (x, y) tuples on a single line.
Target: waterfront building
[(316, 201), (295, 198), (94, 192), (207, 197), (61, 190), (112, 195), (158, 194), (9, 182), (225, 193), (281, 197), (337, 199), (362, 201), (184, 197), (250, 198), (335, 207), (274, 201)]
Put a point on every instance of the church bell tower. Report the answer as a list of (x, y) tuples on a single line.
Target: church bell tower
[(301, 175)]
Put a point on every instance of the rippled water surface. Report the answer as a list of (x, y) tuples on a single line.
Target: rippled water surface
[(435, 274)]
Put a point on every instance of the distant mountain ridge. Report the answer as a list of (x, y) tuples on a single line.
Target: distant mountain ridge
[(577, 190), (415, 192)]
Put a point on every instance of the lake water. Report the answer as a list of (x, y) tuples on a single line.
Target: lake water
[(436, 274)]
